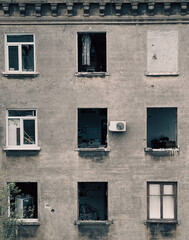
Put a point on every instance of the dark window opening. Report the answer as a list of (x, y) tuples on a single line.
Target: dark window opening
[(25, 202), (162, 127), (92, 52), (92, 127), (92, 199)]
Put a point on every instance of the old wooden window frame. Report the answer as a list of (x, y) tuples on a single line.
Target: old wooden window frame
[(174, 184)]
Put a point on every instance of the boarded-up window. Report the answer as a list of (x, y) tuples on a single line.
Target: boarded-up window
[(162, 53)]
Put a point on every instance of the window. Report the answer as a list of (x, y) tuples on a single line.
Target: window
[(24, 200), (92, 200), (22, 128), (92, 52), (162, 53), (161, 128), (92, 127), (20, 53), (162, 200)]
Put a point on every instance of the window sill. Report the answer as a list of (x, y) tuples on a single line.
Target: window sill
[(29, 222), (162, 221), (159, 150), (162, 74), (20, 74), (92, 74), (91, 222), (21, 148), (100, 149)]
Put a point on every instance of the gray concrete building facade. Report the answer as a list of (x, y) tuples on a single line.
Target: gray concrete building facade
[(94, 117)]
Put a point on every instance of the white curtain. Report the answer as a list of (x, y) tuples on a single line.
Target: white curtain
[(86, 47)]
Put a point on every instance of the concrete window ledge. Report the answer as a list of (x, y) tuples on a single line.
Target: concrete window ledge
[(161, 150), (23, 74), (107, 149), (161, 221), (91, 222), (21, 149), (162, 74), (29, 222), (92, 74)]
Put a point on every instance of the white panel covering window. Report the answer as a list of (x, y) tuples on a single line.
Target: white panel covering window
[(162, 53), (162, 201)]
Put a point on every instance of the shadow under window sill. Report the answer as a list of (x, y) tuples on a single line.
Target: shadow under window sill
[(161, 221), (91, 74), (93, 222)]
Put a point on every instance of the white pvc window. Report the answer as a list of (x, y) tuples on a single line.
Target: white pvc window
[(20, 53), (162, 201), (21, 128)]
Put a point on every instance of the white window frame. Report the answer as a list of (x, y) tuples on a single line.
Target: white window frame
[(22, 146), (19, 45)]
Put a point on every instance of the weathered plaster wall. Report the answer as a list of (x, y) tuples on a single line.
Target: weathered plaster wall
[(126, 92)]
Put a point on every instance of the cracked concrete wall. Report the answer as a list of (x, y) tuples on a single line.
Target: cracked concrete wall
[(126, 92)]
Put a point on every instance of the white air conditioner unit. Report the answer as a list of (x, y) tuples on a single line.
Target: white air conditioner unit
[(117, 126), (22, 203)]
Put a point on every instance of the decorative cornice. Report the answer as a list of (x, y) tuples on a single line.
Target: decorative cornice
[(54, 9), (38, 9), (95, 8)]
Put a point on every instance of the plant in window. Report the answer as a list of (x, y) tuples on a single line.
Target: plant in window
[(8, 214)]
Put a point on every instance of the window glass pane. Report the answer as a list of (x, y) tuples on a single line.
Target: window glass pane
[(22, 113), (20, 38), (27, 58), (154, 189), (154, 207), (168, 207), (168, 189), (13, 58), (13, 132), (29, 131)]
